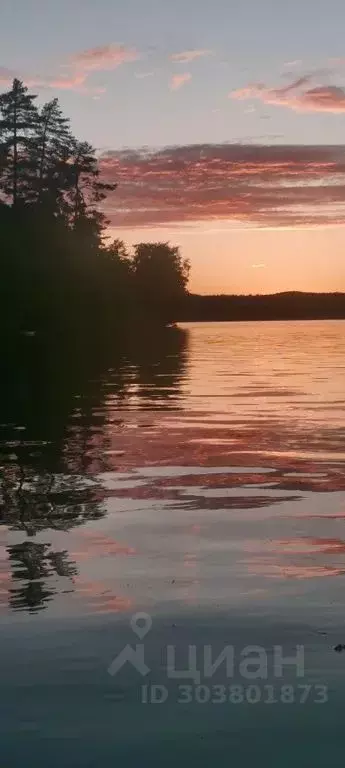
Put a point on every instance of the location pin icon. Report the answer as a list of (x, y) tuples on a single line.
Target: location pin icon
[(141, 624)]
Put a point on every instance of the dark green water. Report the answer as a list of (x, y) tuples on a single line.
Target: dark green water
[(196, 476)]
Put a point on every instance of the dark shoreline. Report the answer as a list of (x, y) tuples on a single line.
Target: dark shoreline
[(292, 305)]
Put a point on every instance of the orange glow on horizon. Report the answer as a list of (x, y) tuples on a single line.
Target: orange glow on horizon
[(255, 261)]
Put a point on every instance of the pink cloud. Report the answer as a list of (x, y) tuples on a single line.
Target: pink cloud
[(186, 56), (266, 186), (177, 81), (104, 57), (75, 73), (322, 98), (74, 82)]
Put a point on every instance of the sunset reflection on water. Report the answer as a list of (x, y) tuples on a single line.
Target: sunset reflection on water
[(200, 471)]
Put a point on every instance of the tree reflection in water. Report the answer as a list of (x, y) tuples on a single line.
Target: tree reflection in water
[(53, 401)]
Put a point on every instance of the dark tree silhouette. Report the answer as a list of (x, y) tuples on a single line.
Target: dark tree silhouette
[(18, 122), (58, 275), (160, 266), (53, 143), (160, 278)]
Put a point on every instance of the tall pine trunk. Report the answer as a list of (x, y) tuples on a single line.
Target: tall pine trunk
[(42, 159), (15, 155)]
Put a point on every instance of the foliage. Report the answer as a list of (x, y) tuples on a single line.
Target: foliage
[(58, 273), (161, 277)]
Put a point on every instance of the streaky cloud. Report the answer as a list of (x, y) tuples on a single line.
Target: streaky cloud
[(296, 95), (245, 184)]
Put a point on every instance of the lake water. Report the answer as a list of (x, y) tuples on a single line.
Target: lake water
[(198, 478)]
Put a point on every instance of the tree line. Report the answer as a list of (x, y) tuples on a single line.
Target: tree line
[(59, 272), (289, 305)]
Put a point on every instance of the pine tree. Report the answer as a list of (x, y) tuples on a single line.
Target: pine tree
[(53, 143), (18, 123), (86, 190)]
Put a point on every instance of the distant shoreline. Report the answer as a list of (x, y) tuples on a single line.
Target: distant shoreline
[(290, 305)]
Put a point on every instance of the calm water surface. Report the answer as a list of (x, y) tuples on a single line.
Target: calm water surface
[(199, 477)]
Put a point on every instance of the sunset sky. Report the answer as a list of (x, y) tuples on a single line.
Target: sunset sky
[(222, 121)]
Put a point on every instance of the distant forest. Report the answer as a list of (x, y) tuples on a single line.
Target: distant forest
[(60, 273), (291, 305)]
